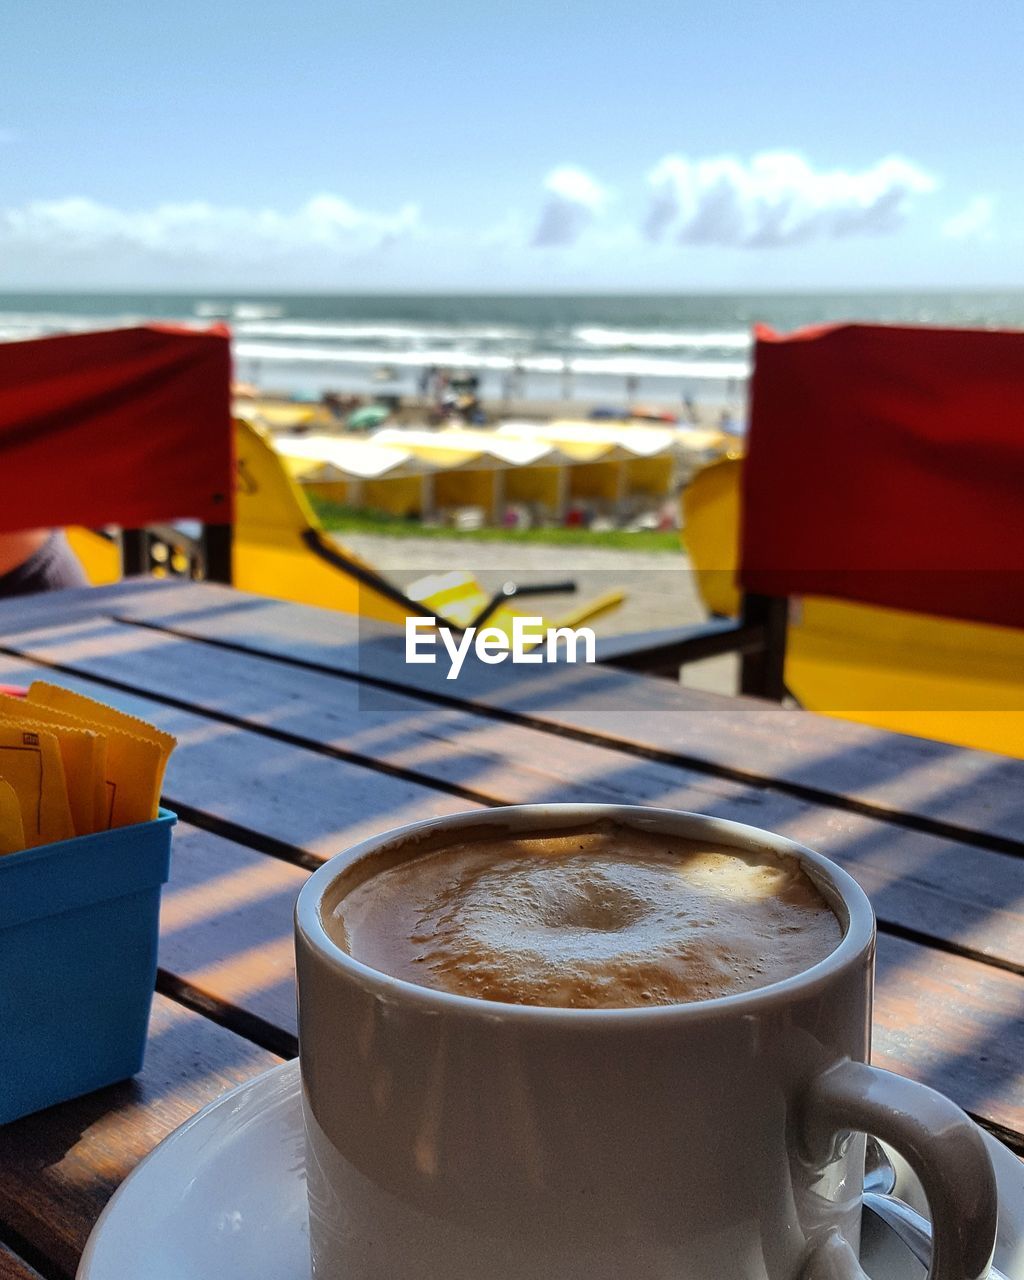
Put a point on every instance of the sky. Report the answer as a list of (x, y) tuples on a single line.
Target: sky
[(519, 145)]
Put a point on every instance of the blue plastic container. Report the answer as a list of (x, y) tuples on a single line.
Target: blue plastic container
[(79, 923)]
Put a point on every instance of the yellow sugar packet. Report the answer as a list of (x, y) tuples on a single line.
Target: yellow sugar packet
[(83, 753), (133, 773), (30, 762), (136, 752), (135, 770), (61, 699), (12, 829)]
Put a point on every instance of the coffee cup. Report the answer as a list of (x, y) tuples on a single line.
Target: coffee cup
[(451, 1137)]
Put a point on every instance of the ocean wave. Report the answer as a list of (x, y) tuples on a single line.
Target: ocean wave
[(339, 345), (697, 340), (614, 366), (655, 367), (374, 330)]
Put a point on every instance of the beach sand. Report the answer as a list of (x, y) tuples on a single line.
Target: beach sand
[(417, 411)]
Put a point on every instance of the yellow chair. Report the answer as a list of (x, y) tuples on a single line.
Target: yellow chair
[(956, 682), (711, 521), (99, 555), (279, 549), (277, 538)]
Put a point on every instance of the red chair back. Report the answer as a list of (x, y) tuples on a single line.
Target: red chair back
[(127, 427), (885, 465)]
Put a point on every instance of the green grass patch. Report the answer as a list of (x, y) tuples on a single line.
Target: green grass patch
[(341, 519)]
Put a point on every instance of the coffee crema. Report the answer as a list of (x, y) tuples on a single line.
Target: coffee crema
[(611, 917)]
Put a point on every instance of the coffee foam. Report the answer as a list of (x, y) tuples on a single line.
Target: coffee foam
[(607, 918)]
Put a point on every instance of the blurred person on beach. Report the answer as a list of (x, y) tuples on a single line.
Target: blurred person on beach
[(443, 395), (426, 380), (37, 560)]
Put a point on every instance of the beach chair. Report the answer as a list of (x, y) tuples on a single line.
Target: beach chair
[(878, 516)]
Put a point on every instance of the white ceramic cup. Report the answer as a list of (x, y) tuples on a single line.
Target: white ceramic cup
[(450, 1138)]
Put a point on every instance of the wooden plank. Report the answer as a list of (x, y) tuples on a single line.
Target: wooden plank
[(971, 790), (226, 924), (952, 1022), (12, 1267), (57, 607), (59, 1167), (972, 898)]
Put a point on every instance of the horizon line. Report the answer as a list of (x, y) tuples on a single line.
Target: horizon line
[(297, 291)]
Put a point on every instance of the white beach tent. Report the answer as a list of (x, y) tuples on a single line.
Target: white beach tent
[(542, 466), (359, 472)]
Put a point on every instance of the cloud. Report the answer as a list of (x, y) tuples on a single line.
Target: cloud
[(574, 201), (776, 198), (199, 229), (973, 222)]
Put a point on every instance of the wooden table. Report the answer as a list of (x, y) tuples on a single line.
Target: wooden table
[(301, 731)]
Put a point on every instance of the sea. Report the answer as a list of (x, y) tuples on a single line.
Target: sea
[(606, 350)]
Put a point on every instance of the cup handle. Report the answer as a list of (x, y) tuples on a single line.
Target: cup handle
[(944, 1147)]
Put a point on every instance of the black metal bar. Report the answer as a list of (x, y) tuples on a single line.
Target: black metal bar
[(333, 556), (762, 670), (510, 590), (545, 588), (217, 541), (134, 552)]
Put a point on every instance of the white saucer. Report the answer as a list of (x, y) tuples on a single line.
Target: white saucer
[(224, 1198)]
